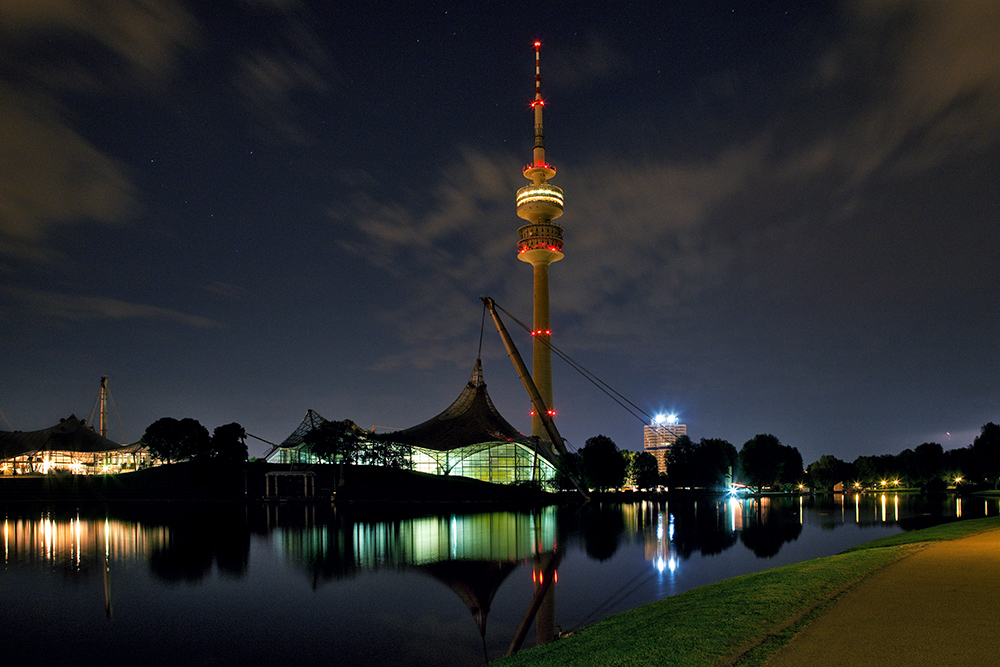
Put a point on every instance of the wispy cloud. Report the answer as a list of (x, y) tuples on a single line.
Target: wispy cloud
[(293, 62), (62, 307), (49, 174)]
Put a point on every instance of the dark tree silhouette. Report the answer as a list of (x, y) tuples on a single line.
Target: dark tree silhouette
[(645, 474), (986, 452), (761, 461), (681, 463), (714, 462), (173, 440), (334, 442), (603, 464), (229, 445), (829, 470)]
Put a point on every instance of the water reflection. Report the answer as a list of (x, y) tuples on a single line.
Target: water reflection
[(538, 570)]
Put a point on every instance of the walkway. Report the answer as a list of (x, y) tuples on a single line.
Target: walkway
[(936, 607)]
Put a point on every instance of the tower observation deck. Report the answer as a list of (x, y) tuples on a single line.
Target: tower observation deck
[(540, 243)]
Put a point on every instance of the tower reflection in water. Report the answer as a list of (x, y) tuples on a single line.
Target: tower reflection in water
[(472, 554)]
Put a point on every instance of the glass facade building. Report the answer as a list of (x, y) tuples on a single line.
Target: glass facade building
[(468, 439)]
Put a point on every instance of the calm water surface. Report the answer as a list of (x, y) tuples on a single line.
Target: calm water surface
[(266, 585)]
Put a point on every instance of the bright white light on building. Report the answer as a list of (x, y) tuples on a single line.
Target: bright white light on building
[(665, 419)]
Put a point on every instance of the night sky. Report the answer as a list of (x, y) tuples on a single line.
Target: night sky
[(780, 216)]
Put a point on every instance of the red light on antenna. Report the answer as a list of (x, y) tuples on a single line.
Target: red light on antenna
[(537, 44)]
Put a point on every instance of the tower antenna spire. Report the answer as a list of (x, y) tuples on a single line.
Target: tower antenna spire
[(540, 243), (538, 154)]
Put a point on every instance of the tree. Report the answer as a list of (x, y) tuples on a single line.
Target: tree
[(173, 440), (160, 439), (713, 463), (928, 461), (645, 473), (376, 450), (792, 471), (334, 442), (229, 444), (194, 441), (603, 465), (986, 452), (681, 463), (828, 471), (629, 457), (761, 461)]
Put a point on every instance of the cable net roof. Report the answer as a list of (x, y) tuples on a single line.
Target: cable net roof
[(470, 419), (69, 435), (312, 420)]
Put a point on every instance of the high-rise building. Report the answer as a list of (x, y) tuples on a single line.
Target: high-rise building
[(660, 435), (540, 244)]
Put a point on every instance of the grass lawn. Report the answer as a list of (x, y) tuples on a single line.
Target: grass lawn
[(742, 620)]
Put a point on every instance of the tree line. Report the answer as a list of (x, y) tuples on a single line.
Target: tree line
[(711, 463), (763, 462), (173, 440), (928, 466)]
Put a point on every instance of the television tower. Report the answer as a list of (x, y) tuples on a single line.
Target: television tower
[(540, 244)]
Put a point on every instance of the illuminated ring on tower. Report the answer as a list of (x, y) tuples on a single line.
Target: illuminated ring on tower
[(540, 194)]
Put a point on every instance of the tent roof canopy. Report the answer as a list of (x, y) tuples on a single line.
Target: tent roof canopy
[(69, 435), (470, 419)]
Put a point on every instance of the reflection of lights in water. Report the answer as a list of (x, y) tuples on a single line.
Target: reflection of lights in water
[(77, 531), (734, 505), (670, 528), (454, 536), (669, 564), (895, 506), (883, 508), (659, 527), (958, 507)]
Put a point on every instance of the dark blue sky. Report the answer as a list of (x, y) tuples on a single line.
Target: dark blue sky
[(779, 218)]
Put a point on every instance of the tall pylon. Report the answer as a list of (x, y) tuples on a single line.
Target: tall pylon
[(540, 244)]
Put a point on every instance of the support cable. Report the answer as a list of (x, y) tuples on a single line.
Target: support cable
[(631, 407)]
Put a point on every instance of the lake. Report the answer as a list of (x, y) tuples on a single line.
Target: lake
[(201, 584)]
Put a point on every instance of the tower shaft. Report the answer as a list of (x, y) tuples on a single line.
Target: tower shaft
[(541, 352), (540, 244)]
